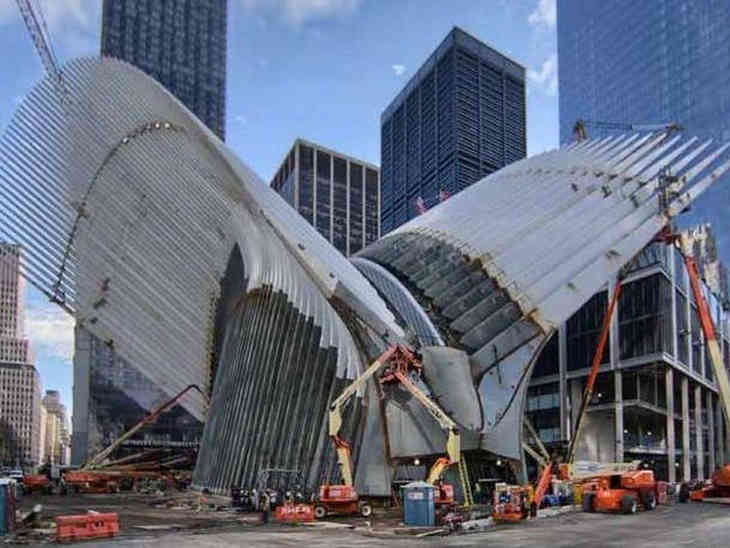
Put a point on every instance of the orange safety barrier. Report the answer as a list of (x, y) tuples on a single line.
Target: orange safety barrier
[(70, 528), (294, 513)]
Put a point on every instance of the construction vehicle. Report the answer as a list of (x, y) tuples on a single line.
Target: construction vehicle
[(37, 483), (398, 361), (513, 503), (80, 481), (95, 461), (625, 492), (517, 502), (98, 476), (719, 487), (580, 134)]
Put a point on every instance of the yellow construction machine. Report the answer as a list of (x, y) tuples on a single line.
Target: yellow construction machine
[(398, 361)]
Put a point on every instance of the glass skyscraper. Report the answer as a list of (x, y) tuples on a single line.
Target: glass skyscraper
[(180, 43), (650, 62), (335, 193), (461, 117)]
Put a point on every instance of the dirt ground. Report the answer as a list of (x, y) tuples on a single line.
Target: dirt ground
[(696, 524)]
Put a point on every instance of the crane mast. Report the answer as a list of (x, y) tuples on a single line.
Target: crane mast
[(38, 31)]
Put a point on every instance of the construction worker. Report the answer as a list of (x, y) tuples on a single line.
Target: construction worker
[(266, 507)]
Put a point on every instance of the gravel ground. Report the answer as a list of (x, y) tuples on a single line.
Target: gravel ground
[(696, 524)]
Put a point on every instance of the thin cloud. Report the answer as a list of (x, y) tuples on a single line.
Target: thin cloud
[(73, 25), (546, 78), (51, 332), (545, 13), (241, 120), (399, 69), (297, 12), (58, 14)]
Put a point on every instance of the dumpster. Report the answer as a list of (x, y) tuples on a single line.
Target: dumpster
[(418, 504)]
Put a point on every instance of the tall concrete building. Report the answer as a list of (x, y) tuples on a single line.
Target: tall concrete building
[(461, 116), (336, 193), (655, 398), (50, 436), (20, 405), (58, 439), (702, 242), (14, 348), (20, 415), (650, 62), (182, 44), (42, 435)]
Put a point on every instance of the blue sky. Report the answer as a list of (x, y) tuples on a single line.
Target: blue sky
[(319, 69)]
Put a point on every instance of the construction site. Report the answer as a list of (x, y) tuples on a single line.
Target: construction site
[(539, 359)]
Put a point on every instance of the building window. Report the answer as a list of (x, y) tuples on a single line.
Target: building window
[(644, 322), (339, 205), (356, 205), (583, 330), (306, 182), (371, 205), (548, 360), (543, 396), (323, 193)]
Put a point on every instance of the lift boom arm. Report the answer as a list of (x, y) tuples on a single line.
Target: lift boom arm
[(453, 444), (595, 364), (335, 415), (710, 340), (99, 458)]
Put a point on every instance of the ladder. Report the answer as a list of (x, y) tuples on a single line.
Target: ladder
[(465, 483)]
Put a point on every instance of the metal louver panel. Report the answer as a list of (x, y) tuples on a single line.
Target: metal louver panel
[(128, 209), (505, 261)]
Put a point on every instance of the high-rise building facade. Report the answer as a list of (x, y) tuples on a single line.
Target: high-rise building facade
[(42, 435), (459, 118), (13, 347), (655, 398), (336, 193), (50, 430), (58, 438), (20, 405), (646, 63), (702, 242), (182, 44), (20, 415)]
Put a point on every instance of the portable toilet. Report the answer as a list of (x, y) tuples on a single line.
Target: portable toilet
[(418, 504), (3, 509)]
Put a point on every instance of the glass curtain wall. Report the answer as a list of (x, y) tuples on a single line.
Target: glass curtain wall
[(339, 205), (306, 182), (323, 193), (356, 205), (644, 317)]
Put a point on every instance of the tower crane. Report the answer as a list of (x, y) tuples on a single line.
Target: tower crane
[(38, 31)]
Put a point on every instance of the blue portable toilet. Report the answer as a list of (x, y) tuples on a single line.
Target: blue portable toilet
[(418, 504), (4, 496)]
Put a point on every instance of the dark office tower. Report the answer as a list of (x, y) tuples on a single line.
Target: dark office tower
[(336, 193), (461, 117), (180, 43)]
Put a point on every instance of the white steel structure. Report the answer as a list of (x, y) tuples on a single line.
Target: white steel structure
[(130, 211)]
